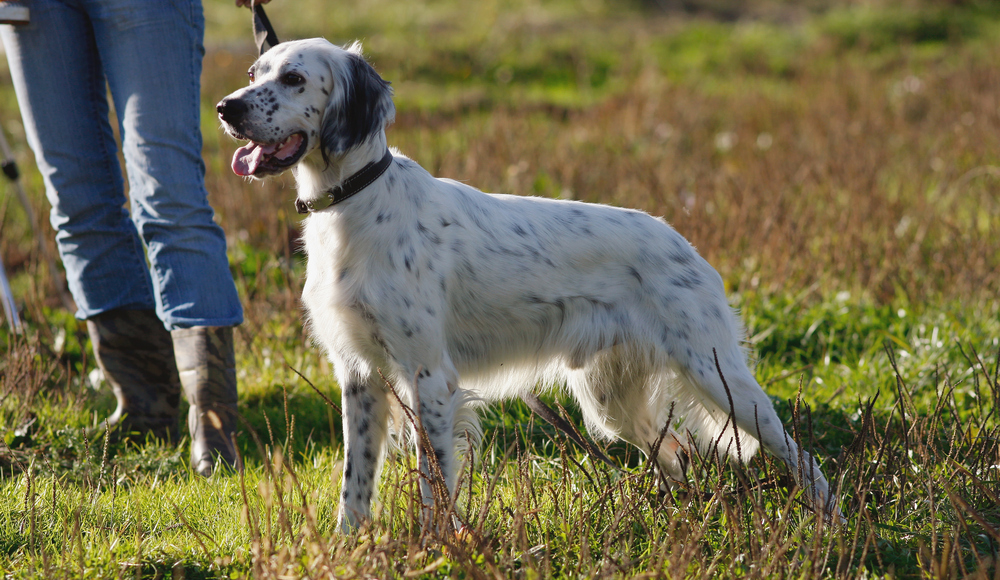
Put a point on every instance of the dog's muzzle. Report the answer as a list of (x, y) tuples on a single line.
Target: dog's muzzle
[(232, 111)]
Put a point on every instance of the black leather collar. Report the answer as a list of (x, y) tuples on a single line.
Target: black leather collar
[(353, 184)]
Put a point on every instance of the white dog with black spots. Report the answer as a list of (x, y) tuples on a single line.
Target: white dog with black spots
[(460, 297)]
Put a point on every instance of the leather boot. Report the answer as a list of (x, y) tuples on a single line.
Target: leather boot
[(136, 354), (207, 366)]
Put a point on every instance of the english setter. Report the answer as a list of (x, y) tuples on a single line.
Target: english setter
[(458, 296)]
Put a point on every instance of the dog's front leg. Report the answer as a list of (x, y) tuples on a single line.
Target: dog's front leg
[(436, 401), (366, 409)]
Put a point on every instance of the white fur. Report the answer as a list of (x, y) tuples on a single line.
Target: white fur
[(458, 295)]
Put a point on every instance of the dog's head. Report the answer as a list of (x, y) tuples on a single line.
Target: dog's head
[(305, 96)]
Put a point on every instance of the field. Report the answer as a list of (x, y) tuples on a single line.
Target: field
[(838, 162)]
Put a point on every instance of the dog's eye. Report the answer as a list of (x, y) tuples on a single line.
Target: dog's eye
[(292, 79), (250, 74)]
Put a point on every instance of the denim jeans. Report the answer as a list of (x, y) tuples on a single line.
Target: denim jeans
[(167, 253)]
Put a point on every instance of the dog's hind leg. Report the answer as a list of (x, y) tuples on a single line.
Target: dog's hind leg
[(614, 393), (365, 412), (643, 429), (736, 392)]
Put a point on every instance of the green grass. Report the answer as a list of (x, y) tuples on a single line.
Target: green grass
[(916, 453), (836, 163)]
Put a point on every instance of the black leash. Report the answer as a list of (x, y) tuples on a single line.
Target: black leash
[(263, 33)]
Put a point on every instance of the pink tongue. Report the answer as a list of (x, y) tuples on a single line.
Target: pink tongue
[(248, 158)]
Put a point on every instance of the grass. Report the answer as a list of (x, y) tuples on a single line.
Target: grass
[(837, 163)]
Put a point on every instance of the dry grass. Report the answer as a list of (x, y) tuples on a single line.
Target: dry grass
[(908, 476), (918, 487)]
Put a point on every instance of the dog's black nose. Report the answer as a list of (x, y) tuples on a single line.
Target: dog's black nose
[(231, 110)]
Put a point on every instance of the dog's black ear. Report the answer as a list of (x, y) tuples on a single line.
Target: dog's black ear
[(365, 109)]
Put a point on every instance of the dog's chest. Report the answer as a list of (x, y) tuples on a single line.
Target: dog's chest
[(335, 271), (349, 285)]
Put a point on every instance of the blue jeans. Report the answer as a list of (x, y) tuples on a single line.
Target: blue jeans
[(149, 54)]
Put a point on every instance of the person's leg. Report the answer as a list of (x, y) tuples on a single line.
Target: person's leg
[(152, 52), (152, 55), (61, 91), (60, 88)]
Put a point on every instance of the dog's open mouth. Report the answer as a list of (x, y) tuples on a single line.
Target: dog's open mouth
[(256, 159)]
